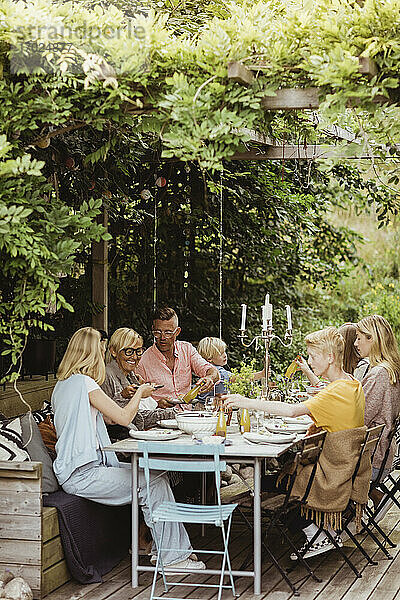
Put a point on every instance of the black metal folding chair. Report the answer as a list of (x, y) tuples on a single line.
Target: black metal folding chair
[(390, 488), (276, 508), (368, 446)]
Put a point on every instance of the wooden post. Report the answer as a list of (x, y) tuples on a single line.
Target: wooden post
[(100, 278), (240, 73), (367, 66)]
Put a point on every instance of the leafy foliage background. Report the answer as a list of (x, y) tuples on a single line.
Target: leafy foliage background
[(94, 123)]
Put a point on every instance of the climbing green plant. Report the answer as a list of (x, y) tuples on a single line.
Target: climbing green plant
[(39, 238)]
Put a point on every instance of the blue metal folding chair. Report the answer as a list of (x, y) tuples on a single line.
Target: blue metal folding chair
[(207, 460)]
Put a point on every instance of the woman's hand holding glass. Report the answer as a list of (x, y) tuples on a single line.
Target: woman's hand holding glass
[(235, 401)]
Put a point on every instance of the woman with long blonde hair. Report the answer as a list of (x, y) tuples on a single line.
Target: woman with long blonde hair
[(376, 341), (81, 466)]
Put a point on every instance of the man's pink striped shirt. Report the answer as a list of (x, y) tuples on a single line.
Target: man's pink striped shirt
[(153, 367)]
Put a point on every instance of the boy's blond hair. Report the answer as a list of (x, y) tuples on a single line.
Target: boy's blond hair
[(124, 337), (327, 341), (211, 347), (84, 355)]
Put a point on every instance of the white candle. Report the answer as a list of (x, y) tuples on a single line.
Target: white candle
[(269, 313), (243, 323), (264, 317), (289, 316), (266, 299)]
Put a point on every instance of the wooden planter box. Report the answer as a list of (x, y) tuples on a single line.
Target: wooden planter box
[(29, 534)]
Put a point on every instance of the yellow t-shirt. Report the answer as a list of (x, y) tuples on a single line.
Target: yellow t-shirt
[(340, 405)]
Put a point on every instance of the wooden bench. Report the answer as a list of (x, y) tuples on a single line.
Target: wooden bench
[(29, 534)]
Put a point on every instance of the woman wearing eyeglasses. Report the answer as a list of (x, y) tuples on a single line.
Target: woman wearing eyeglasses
[(124, 351)]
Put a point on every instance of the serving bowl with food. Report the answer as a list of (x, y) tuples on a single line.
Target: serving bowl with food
[(197, 422)]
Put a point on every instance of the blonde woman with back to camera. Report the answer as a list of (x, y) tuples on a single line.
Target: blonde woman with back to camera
[(81, 466)]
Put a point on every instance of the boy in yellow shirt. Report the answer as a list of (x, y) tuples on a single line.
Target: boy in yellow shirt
[(337, 407), (340, 405)]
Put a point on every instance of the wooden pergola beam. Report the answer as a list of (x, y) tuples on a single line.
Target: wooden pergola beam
[(292, 152), (332, 130), (292, 99), (255, 136), (296, 98), (240, 73)]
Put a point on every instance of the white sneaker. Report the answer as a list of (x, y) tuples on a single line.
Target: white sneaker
[(153, 559), (196, 565), (324, 545)]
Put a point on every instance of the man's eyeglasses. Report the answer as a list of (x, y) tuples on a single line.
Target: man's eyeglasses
[(131, 351), (158, 333)]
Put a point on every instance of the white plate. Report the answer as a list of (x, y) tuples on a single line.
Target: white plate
[(269, 438), (286, 427), (155, 435), (169, 424), (303, 420)]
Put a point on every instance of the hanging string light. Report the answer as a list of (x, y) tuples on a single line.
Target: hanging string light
[(186, 232), (155, 242), (221, 254)]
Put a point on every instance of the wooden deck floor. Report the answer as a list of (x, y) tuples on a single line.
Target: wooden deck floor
[(380, 582)]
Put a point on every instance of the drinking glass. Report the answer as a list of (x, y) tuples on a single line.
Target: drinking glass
[(259, 414), (209, 404)]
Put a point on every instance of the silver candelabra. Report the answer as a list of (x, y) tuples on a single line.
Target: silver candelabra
[(267, 336)]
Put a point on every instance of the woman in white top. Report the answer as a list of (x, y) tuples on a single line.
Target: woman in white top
[(81, 466)]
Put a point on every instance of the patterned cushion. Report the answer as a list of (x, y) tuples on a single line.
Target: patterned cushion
[(11, 446), (42, 414)]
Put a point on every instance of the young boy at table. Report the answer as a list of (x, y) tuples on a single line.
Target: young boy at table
[(213, 350), (338, 407)]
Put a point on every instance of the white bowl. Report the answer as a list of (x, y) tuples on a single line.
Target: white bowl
[(197, 424)]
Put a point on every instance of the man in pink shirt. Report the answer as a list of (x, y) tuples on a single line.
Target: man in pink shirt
[(170, 363)]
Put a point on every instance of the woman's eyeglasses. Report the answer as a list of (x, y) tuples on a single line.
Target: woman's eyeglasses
[(132, 351)]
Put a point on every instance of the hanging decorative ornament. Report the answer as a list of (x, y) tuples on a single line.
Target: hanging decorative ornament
[(145, 194), (107, 194), (92, 185), (161, 182), (186, 258), (70, 162), (187, 168), (43, 143)]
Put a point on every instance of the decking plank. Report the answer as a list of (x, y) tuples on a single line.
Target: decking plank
[(344, 579), (389, 585), (339, 582)]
